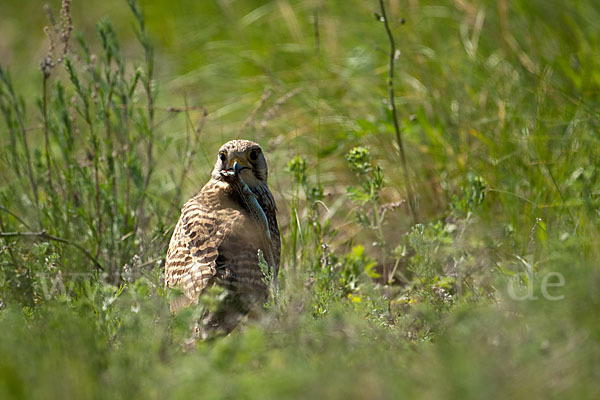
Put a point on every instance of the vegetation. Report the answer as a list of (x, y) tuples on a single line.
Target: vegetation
[(435, 167)]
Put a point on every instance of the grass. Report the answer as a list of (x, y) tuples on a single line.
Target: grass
[(488, 288)]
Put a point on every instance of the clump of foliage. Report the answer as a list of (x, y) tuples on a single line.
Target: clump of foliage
[(87, 192)]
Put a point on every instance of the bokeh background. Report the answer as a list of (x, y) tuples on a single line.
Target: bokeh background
[(497, 102)]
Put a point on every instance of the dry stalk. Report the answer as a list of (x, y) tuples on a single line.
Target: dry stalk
[(266, 95), (391, 95), (272, 111)]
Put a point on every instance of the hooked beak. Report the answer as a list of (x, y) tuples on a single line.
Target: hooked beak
[(239, 166)]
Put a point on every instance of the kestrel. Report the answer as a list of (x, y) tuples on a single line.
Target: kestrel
[(220, 232)]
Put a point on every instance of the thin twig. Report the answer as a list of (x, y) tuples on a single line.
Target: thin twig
[(147, 84), (27, 153), (518, 196), (149, 262), (12, 134), (202, 121), (45, 120), (10, 250), (97, 186), (150, 144), (410, 193), (272, 111), (48, 63), (15, 216), (150, 106), (189, 154), (256, 109), (42, 235), (171, 109)]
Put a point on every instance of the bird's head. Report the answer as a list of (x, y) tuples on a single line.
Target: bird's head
[(241, 158)]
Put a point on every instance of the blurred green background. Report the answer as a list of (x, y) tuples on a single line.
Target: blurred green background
[(498, 108)]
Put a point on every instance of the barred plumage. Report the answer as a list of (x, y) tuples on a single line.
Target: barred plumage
[(219, 233)]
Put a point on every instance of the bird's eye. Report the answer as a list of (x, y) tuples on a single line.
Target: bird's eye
[(253, 155), (222, 156)]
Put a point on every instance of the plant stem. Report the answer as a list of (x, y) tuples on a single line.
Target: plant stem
[(410, 194), (42, 235), (15, 103), (10, 251), (377, 221), (96, 184), (150, 105), (45, 118), (12, 135)]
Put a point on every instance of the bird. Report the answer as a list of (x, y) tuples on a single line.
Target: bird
[(219, 235)]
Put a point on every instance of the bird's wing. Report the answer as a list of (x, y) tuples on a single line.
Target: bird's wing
[(213, 239), (267, 203), (194, 248), (275, 239)]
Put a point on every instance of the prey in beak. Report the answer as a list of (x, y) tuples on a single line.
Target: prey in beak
[(235, 168)]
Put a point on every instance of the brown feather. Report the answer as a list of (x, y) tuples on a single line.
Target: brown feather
[(218, 235)]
